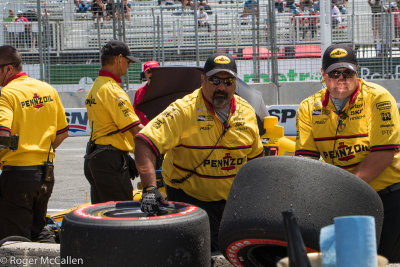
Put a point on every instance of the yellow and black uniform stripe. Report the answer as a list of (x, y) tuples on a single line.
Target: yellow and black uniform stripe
[(188, 130), (110, 111), (371, 123)]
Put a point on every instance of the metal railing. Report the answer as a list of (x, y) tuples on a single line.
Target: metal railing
[(170, 35)]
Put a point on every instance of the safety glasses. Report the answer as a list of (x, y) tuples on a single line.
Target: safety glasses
[(346, 74), (214, 80)]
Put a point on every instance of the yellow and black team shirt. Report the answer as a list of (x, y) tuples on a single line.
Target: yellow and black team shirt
[(188, 131), (369, 122), (31, 109), (109, 110)]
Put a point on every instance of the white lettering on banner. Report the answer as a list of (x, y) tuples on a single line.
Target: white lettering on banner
[(78, 121), (287, 117)]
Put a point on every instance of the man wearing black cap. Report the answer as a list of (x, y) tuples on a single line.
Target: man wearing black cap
[(206, 137), (354, 124), (113, 124)]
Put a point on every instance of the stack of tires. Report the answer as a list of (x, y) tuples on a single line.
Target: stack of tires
[(252, 232)]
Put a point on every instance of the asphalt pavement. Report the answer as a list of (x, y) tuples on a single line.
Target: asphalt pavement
[(71, 187)]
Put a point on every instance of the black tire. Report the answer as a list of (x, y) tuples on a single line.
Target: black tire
[(252, 231), (119, 234)]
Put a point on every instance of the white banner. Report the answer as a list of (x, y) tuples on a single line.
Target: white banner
[(78, 121)]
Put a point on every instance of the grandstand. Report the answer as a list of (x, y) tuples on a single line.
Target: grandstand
[(167, 34)]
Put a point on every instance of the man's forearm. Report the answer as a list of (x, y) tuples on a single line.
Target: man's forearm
[(373, 165), (145, 163)]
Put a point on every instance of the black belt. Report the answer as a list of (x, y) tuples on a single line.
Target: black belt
[(389, 189), (23, 168), (105, 147)]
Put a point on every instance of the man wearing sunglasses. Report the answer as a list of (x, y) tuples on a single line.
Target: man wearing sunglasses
[(206, 136), (354, 124)]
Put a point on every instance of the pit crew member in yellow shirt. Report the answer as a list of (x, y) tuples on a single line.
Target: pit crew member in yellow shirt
[(113, 124), (354, 124), (206, 137), (32, 110)]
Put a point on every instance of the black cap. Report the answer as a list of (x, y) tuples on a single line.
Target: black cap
[(220, 63), (116, 47), (339, 56)]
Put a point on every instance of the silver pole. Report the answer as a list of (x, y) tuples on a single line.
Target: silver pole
[(196, 32), (40, 45), (325, 24), (162, 37)]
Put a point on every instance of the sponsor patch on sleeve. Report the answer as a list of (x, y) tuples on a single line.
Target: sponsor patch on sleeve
[(384, 105)]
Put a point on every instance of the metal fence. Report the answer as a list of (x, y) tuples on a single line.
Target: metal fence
[(60, 43)]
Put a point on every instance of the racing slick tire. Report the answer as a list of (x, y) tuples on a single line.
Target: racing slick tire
[(119, 234), (252, 231)]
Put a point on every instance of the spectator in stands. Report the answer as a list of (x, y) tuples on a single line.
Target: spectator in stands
[(299, 23), (341, 4), (266, 27), (377, 8), (293, 8), (203, 3), (316, 6), (98, 8), (279, 5), (185, 3), (10, 35), (305, 4), (336, 15), (83, 6), (202, 19), (312, 23), (11, 16), (127, 10), (249, 6), (111, 10), (395, 12), (24, 38)]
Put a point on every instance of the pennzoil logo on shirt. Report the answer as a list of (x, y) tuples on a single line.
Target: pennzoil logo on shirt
[(226, 163), (36, 101), (90, 101), (345, 152)]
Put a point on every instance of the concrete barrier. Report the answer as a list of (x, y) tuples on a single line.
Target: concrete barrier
[(32, 254)]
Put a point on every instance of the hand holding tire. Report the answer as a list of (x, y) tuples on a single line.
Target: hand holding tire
[(152, 200)]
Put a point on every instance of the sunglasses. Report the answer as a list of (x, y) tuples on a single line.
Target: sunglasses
[(346, 74), (214, 80)]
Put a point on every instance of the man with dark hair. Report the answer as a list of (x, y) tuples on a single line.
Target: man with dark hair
[(206, 136), (354, 125), (32, 110), (113, 124)]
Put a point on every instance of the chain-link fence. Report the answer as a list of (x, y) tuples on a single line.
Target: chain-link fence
[(273, 41)]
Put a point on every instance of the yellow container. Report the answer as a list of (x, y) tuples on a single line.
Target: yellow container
[(274, 141)]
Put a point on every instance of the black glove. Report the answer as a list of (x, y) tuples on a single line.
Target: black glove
[(133, 172), (152, 200)]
